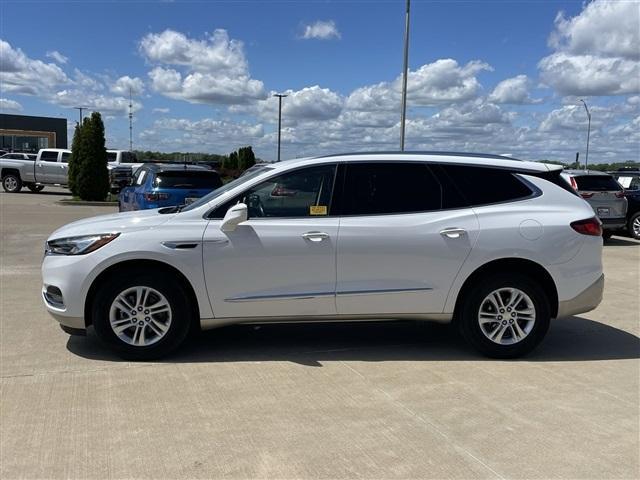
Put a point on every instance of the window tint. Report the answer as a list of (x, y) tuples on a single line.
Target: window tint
[(301, 193), (49, 156), (112, 156), (597, 183), (65, 157), (387, 188), (451, 195), (483, 185), (187, 179)]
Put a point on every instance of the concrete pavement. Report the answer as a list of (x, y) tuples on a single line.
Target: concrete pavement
[(387, 400)]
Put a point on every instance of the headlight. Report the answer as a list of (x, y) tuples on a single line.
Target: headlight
[(78, 245)]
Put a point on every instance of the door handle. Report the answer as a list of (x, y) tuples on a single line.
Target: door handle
[(453, 232), (315, 236)]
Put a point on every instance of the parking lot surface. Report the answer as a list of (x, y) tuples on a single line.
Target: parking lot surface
[(385, 400)]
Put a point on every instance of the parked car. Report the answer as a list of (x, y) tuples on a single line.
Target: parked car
[(496, 245), (630, 181), (163, 185), (19, 156), (604, 194), (123, 158), (49, 168)]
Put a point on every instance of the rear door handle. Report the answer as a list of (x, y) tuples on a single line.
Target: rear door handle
[(315, 236), (453, 232)]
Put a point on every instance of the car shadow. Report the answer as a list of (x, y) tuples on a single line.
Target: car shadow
[(621, 242), (569, 340)]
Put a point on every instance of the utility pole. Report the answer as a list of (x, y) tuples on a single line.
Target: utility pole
[(280, 97), (80, 109), (130, 122), (403, 116), (586, 157)]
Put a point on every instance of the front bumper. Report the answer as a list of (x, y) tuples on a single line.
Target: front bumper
[(585, 301)]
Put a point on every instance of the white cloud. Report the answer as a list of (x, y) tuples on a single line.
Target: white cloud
[(160, 110), (106, 105), (20, 74), (321, 30), (57, 57), (441, 82), (124, 84), (7, 104), (597, 52), (215, 69), (513, 91)]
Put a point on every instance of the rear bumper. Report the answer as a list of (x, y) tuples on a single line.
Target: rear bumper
[(585, 301), (612, 223)]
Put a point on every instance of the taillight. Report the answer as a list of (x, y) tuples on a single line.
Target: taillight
[(590, 226), (574, 185), (154, 197), (620, 194), (586, 194)]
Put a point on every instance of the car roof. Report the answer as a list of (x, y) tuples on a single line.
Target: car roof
[(454, 158), (582, 173), (167, 167)]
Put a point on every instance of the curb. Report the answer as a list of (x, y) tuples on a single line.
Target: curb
[(87, 203)]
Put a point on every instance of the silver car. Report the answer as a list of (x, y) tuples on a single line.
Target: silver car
[(604, 194)]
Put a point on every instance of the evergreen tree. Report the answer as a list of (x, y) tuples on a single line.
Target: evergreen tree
[(92, 180), (74, 161), (233, 161)]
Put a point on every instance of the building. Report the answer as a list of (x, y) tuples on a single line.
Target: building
[(22, 133)]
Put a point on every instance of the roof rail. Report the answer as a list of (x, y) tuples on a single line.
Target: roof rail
[(437, 153)]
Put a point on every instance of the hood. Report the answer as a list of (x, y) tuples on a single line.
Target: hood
[(117, 222)]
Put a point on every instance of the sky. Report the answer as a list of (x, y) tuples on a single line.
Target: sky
[(502, 77)]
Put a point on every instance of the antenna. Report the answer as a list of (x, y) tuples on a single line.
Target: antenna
[(130, 122)]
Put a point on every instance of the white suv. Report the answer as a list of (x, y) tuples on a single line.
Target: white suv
[(496, 245)]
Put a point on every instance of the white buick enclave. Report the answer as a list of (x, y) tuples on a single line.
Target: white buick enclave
[(496, 245)]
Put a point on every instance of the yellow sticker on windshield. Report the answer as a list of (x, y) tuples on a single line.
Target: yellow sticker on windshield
[(318, 210)]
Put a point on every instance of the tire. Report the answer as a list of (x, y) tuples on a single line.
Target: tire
[(153, 335), (35, 188), (607, 234), (634, 226), (532, 327), (12, 183)]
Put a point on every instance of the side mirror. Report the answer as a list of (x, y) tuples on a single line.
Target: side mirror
[(235, 216)]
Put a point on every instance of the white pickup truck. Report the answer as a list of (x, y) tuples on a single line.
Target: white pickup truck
[(51, 167)]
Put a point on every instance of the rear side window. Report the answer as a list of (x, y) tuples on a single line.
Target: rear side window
[(597, 183), (187, 179), (483, 186), (48, 156), (390, 188), (65, 157)]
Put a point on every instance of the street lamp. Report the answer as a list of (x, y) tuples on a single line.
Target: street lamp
[(403, 116), (80, 109), (280, 97), (586, 157)]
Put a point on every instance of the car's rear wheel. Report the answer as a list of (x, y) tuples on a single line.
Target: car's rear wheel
[(505, 315), (35, 188), (144, 317), (12, 183), (634, 226)]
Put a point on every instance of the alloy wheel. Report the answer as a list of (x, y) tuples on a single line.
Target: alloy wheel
[(507, 316), (10, 183), (140, 316)]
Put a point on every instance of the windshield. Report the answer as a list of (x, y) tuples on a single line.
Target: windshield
[(225, 188)]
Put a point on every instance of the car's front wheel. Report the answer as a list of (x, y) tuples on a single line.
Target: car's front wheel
[(634, 226), (505, 315), (35, 188), (144, 317)]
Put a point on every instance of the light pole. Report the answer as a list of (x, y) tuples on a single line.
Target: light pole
[(80, 109), (280, 97), (403, 116), (586, 157)]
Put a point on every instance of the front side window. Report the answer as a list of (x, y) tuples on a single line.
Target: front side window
[(300, 193), (112, 156), (379, 188)]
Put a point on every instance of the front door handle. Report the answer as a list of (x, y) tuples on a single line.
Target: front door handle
[(453, 232), (315, 236)]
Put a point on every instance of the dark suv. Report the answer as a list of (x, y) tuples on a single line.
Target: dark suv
[(630, 181)]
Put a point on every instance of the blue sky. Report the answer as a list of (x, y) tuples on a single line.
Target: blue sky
[(501, 77)]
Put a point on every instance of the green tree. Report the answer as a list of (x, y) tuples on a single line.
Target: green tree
[(92, 179), (74, 161), (232, 161)]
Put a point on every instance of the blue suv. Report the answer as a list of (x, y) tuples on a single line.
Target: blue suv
[(157, 185)]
